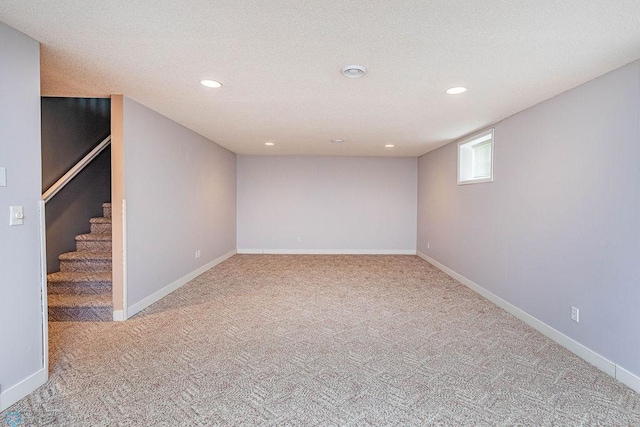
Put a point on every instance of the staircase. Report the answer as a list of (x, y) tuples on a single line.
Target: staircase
[(81, 290)]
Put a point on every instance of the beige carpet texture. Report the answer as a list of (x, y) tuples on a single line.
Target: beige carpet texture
[(311, 340)]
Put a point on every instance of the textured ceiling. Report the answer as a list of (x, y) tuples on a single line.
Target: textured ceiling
[(280, 61)]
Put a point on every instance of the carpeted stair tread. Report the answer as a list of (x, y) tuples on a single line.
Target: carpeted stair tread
[(79, 283), (100, 220), (85, 260), (106, 210), (92, 245), (101, 237), (80, 308), (85, 256), (100, 225), (80, 301), (79, 277), (80, 314)]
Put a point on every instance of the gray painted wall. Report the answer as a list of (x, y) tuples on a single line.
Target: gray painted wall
[(559, 226), (331, 203), (71, 127), (181, 197), (20, 292), (69, 212)]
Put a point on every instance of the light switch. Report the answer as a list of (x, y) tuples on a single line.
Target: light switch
[(17, 215), (3, 177)]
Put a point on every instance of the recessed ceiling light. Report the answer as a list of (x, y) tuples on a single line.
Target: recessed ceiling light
[(389, 146), (457, 90), (354, 71), (269, 144), (210, 83), (337, 141)]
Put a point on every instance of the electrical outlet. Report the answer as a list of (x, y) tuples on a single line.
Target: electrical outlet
[(428, 245), (575, 314), (198, 254), (299, 239)]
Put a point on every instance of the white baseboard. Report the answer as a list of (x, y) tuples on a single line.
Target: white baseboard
[(627, 378), (329, 251), (630, 380), (158, 295), (22, 389)]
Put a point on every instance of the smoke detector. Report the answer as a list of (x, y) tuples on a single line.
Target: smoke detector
[(354, 71)]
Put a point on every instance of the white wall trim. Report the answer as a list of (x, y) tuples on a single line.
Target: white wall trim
[(122, 315), (125, 266), (600, 362), (329, 251), (43, 289), (22, 389), (158, 295), (627, 378)]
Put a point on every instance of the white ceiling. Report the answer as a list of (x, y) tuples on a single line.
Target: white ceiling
[(280, 61)]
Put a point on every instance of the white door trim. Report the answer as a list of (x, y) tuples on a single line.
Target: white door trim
[(43, 290)]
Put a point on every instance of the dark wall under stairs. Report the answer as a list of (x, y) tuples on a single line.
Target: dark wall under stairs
[(71, 127)]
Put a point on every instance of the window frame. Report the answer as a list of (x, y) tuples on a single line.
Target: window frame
[(469, 144)]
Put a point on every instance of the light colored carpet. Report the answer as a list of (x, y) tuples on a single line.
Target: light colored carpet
[(277, 340)]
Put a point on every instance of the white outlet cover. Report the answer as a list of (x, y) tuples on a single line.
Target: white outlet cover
[(3, 177), (575, 314)]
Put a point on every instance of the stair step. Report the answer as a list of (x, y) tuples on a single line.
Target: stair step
[(92, 308), (94, 242), (98, 301), (85, 255), (94, 237), (106, 209), (82, 289), (85, 261), (100, 225), (79, 283), (100, 219)]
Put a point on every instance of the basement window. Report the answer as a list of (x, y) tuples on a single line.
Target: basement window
[(475, 159)]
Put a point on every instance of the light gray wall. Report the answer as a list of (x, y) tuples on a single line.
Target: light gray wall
[(560, 224), (20, 292), (181, 197), (331, 203)]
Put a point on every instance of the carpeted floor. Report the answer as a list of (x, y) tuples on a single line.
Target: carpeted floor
[(279, 340)]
